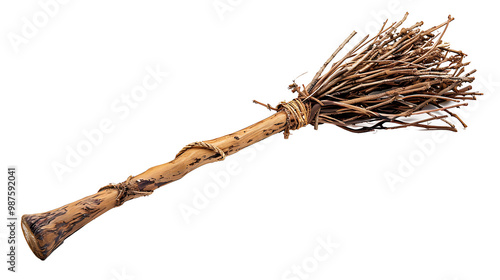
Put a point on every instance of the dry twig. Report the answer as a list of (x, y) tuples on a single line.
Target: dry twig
[(389, 81)]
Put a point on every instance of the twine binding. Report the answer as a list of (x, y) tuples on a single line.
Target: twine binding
[(124, 191), (204, 145), (297, 114)]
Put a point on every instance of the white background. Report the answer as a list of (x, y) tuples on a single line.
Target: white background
[(442, 221)]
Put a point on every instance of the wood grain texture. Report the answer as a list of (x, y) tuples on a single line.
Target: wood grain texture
[(46, 231)]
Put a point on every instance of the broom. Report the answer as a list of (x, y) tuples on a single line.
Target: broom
[(400, 77)]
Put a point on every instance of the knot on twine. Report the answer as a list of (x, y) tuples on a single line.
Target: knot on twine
[(297, 114), (124, 191), (204, 145)]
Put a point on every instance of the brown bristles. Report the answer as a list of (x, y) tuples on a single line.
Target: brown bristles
[(401, 77)]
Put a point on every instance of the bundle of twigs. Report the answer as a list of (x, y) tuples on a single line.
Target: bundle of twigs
[(401, 77)]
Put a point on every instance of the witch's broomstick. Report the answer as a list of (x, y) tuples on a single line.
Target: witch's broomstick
[(401, 77)]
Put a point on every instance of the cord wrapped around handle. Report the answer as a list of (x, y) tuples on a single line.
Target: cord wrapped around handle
[(46, 231)]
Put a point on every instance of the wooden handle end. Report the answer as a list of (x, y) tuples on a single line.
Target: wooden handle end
[(46, 231), (31, 238)]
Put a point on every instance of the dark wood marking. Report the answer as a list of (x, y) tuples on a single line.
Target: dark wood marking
[(159, 184), (213, 156), (46, 231), (143, 183), (196, 160)]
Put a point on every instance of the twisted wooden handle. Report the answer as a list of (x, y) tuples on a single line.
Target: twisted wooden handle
[(46, 231)]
